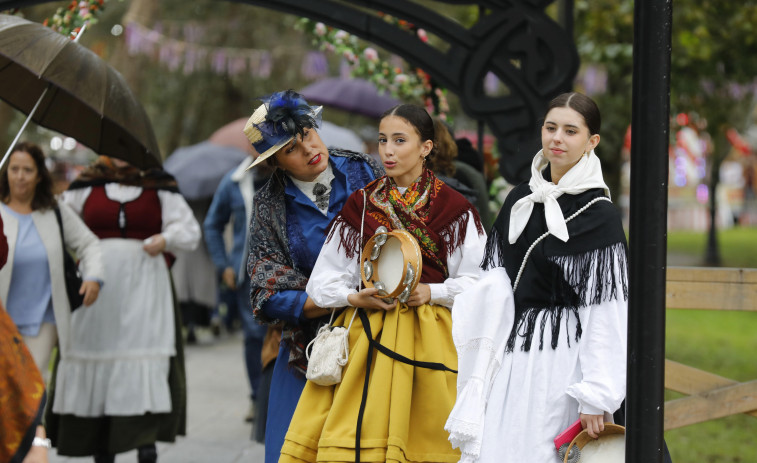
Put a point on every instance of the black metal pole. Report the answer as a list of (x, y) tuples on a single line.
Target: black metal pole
[(648, 231), (565, 16), (480, 141)]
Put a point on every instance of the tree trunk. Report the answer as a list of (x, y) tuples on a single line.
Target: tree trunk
[(712, 253), (142, 12)]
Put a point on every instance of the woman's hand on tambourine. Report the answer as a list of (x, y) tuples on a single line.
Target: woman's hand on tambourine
[(593, 424), (421, 295), (90, 290), (368, 298)]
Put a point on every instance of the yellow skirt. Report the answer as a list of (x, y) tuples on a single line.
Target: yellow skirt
[(406, 407)]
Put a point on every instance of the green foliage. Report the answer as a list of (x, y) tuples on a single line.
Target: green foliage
[(604, 37), (70, 20), (366, 62), (712, 67)]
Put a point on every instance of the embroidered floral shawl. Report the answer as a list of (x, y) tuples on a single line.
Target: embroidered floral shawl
[(434, 213)]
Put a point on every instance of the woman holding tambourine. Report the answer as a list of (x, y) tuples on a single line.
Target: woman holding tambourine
[(399, 384)]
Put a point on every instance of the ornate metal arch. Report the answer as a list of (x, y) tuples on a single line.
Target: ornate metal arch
[(515, 40)]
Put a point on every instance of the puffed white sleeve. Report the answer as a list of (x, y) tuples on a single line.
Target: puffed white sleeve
[(180, 228), (85, 244), (75, 199), (602, 352), (463, 266), (335, 276)]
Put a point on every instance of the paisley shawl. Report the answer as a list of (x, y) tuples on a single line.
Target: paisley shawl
[(271, 265)]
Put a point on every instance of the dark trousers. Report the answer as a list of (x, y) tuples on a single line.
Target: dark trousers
[(254, 333)]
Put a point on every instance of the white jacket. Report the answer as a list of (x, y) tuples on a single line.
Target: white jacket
[(78, 237)]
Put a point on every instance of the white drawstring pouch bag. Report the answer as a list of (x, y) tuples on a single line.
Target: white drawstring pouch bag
[(328, 352)]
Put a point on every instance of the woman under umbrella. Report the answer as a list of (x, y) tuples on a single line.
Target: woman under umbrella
[(121, 385), (32, 284)]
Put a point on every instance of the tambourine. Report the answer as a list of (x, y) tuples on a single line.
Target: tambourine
[(609, 447), (392, 263)]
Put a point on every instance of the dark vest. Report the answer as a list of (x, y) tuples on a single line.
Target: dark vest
[(136, 219)]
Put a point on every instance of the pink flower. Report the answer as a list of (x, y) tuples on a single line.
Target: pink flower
[(422, 35), (340, 36), (371, 54), (320, 29), (400, 79), (349, 55)]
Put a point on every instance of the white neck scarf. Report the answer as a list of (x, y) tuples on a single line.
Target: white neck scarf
[(323, 178), (585, 175)]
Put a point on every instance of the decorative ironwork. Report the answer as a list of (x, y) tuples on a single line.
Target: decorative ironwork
[(515, 40), (531, 55)]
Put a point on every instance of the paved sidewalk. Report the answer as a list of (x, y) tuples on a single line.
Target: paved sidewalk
[(217, 403)]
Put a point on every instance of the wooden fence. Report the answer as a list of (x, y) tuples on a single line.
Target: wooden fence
[(709, 396)]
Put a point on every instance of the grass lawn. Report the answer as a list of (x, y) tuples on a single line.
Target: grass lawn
[(738, 246), (723, 343)]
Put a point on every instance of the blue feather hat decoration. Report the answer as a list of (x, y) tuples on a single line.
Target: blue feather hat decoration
[(280, 119)]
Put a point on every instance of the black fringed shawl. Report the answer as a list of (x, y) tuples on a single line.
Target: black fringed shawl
[(559, 276), (270, 265)]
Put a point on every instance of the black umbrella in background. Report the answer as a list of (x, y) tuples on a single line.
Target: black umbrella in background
[(68, 88)]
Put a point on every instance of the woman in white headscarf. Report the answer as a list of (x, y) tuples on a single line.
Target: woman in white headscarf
[(552, 349)]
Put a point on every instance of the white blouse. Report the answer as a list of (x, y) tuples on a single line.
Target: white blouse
[(516, 403), (180, 228), (335, 276)]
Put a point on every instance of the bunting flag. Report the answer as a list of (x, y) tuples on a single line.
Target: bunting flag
[(189, 56)]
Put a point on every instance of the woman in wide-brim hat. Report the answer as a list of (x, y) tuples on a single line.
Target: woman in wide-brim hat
[(292, 211)]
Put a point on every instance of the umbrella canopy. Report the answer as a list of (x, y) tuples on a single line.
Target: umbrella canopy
[(354, 95), (335, 136), (232, 134), (87, 100), (199, 168)]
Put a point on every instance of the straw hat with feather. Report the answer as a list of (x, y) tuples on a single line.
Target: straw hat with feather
[(278, 121)]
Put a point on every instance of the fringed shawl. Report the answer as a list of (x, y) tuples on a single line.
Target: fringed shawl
[(433, 212), (559, 276), (271, 265)]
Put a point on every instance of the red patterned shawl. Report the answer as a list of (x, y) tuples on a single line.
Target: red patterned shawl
[(434, 213)]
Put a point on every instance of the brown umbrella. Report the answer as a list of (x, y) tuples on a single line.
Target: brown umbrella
[(85, 99), (231, 134)]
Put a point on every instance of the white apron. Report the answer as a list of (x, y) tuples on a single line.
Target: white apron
[(118, 360)]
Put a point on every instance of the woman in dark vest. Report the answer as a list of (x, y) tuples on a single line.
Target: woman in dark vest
[(122, 385)]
